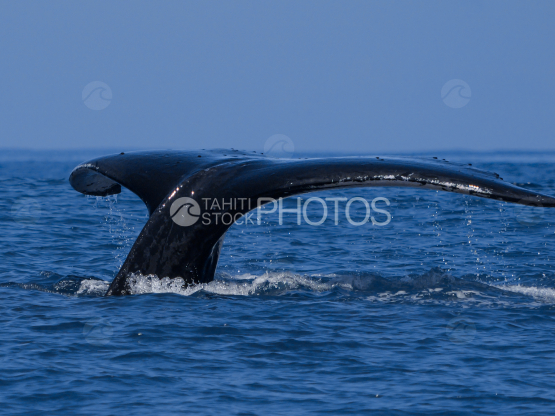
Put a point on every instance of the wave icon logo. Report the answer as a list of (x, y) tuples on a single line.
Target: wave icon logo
[(456, 93), (529, 212), (97, 95), (279, 145), (98, 332), (185, 211), (26, 211), (460, 330)]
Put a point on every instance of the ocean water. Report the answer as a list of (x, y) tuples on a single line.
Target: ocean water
[(447, 309)]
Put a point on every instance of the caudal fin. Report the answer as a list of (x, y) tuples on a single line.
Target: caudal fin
[(190, 248)]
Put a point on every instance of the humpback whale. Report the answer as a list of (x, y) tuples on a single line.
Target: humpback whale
[(173, 182)]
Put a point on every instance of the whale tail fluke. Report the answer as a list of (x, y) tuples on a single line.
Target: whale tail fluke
[(175, 243)]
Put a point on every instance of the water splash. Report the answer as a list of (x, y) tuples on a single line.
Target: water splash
[(90, 287), (435, 286), (243, 285), (119, 226), (542, 294)]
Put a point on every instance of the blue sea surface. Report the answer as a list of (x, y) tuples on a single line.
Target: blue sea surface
[(447, 309)]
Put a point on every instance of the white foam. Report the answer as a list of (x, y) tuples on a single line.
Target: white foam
[(245, 285), (463, 294), (93, 287), (543, 294)]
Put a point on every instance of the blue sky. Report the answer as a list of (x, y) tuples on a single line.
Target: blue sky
[(341, 76)]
